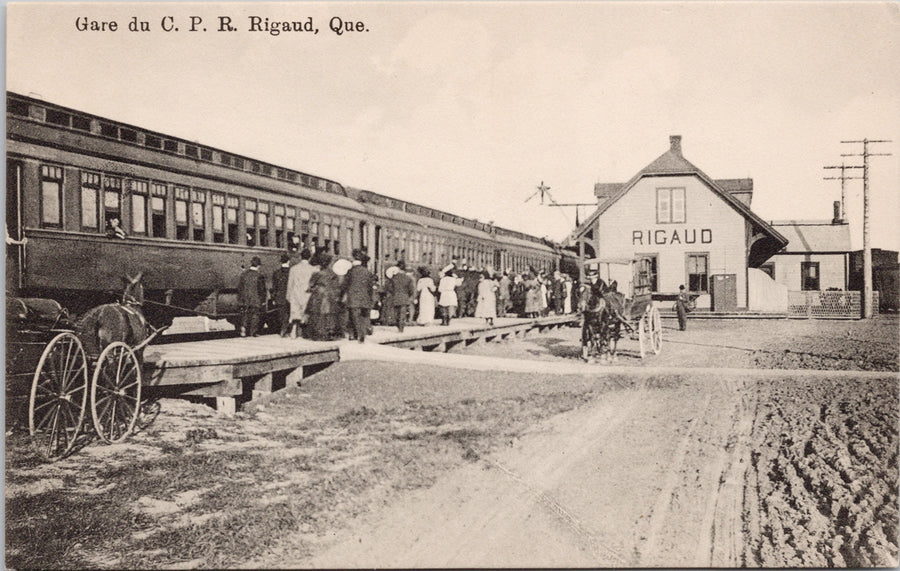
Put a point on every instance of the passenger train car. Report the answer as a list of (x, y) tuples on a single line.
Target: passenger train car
[(194, 216)]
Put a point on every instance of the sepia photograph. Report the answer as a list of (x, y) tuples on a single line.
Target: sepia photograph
[(475, 284)]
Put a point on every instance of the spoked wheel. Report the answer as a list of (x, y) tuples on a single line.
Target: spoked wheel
[(58, 398), (644, 333), (655, 331), (116, 392)]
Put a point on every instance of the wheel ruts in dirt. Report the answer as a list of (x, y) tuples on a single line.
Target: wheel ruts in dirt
[(58, 399), (116, 392)]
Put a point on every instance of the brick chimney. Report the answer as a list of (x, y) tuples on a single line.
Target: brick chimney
[(838, 219), (675, 144)]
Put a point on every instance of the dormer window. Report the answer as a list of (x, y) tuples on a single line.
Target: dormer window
[(670, 208)]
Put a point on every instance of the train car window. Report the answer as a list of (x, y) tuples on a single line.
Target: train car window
[(81, 123), (51, 195), (170, 146), (191, 151), (17, 107), (238, 163), (225, 159), (218, 218), (232, 204), (263, 223), (254, 167), (112, 199), (182, 196), (250, 221), (90, 201), (205, 154), (159, 193), (57, 117), (290, 226), (198, 214), (279, 226), (108, 130), (129, 135), (152, 142), (139, 191)]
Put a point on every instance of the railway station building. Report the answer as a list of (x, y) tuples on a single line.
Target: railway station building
[(683, 228)]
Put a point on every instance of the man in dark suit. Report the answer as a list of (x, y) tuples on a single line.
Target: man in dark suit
[(400, 293), (251, 297), (358, 286)]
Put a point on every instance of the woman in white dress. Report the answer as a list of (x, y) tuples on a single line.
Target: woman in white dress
[(425, 286), (487, 299)]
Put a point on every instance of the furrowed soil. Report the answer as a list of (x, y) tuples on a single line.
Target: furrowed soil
[(371, 464)]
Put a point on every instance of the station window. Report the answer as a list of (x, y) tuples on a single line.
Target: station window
[(279, 226), (336, 236), (90, 200), (670, 206), (698, 272), (198, 214), (314, 227), (51, 195), (218, 218), (809, 276), (250, 221), (263, 223), (232, 205), (112, 199), (182, 197), (139, 192), (158, 192)]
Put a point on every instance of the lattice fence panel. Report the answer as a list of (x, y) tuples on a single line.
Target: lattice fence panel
[(827, 303)]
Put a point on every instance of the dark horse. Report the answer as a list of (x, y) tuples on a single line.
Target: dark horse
[(111, 322), (602, 308)]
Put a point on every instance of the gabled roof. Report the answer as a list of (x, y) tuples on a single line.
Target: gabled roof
[(673, 163), (814, 236)]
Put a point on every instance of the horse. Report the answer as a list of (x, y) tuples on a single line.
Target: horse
[(592, 307), (123, 321)]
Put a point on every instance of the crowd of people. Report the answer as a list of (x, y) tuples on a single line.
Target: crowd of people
[(322, 297)]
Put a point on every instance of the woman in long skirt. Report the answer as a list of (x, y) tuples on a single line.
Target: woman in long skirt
[(487, 299), (426, 288)]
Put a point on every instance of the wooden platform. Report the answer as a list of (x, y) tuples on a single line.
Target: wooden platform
[(238, 369)]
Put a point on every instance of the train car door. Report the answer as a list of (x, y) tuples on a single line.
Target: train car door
[(15, 249)]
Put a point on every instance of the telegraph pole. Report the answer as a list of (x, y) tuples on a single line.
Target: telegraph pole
[(843, 178), (867, 246)]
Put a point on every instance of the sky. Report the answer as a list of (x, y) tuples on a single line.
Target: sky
[(469, 106)]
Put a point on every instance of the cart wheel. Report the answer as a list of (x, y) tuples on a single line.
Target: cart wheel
[(643, 328), (655, 331), (58, 396), (116, 392)]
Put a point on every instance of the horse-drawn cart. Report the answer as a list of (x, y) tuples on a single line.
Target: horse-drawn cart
[(606, 309), (97, 359)]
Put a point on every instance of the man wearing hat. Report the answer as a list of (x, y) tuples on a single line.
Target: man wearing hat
[(357, 289), (401, 291), (251, 297)]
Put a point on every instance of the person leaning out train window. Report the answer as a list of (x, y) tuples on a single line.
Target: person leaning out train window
[(114, 229)]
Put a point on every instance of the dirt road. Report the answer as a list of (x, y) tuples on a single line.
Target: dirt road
[(389, 464), (691, 474)]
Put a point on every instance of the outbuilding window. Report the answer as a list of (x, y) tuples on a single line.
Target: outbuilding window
[(809, 276), (670, 208)]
